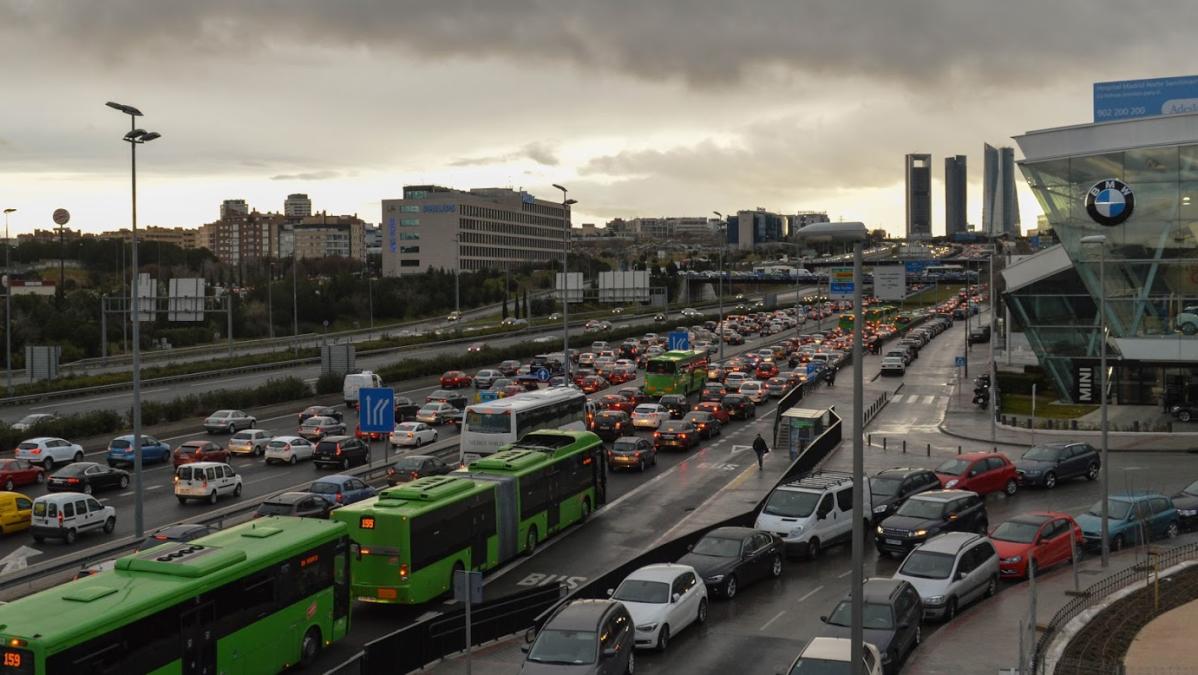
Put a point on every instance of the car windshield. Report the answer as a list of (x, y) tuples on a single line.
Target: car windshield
[(564, 647), (791, 503), (718, 547), (927, 565), (409, 464), (953, 467), (272, 509), (324, 488), (919, 508), (407, 426), (1016, 531), (73, 470), (880, 486), (639, 590), (488, 423), (1117, 509), (1042, 453), (875, 616)]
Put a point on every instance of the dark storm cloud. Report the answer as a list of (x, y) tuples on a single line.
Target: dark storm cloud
[(538, 152), (308, 175), (703, 42)]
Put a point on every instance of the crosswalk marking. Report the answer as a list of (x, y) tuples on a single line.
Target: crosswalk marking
[(918, 399), (897, 398), (929, 399)]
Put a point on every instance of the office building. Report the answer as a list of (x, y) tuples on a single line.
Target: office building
[(748, 229), (1000, 203), (955, 179), (804, 218), (919, 196), (297, 206), (444, 228), (234, 207)]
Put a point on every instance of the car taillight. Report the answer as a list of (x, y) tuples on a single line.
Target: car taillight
[(60, 519), (73, 481), (415, 475), (36, 451), (338, 450), (656, 434), (340, 497), (403, 571)]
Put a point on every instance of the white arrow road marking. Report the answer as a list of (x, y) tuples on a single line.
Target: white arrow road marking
[(740, 448), (18, 559)]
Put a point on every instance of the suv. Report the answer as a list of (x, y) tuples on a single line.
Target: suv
[(812, 512), (892, 610), (49, 451), (926, 515), (207, 481), (594, 636), (980, 472), (1046, 464), (889, 488), (340, 451), (63, 515), (951, 571)]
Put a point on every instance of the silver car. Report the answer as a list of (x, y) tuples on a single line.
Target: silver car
[(951, 571), (483, 379), (228, 420)]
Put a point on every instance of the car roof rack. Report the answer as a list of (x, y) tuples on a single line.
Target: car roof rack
[(821, 480)]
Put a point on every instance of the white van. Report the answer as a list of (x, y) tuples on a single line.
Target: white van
[(813, 512), (63, 515), (355, 381), (206, 480)]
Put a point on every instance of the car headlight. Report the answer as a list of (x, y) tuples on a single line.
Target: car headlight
[(796, 531), (934, 600), (1188, 512), (881, 509), (1175, 408), (647, 627), (715, 578), (951, 483), (920, 533), (1013, 559), (879, 529)]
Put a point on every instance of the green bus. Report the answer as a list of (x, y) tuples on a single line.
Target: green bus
[(256, 598), (677, 372), (408, 540)]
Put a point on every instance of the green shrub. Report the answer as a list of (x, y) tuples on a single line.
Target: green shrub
[(81, 425), (329, 383)]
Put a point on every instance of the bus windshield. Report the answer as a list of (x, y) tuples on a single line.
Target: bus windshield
[(489, 423), (660, 366)]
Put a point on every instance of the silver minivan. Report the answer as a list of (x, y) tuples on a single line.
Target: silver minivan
[(951, 571)]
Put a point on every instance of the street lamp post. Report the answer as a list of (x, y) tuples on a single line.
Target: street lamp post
[(566, 203), (1099, 240), (723, 241), (7, 307), (270, 312), (457, 273), (993, 337), (134, 138), (294, 295), (798, 327), (370, 298)]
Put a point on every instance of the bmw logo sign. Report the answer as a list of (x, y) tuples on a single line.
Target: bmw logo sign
[(1110, 202)]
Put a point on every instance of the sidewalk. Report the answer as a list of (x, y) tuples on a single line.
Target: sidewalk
[(1164, 643)]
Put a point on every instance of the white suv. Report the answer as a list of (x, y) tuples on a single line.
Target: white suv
[(49, 452), (63, 515), (951, 571), (821, 652), (813, 512), (207, 481)]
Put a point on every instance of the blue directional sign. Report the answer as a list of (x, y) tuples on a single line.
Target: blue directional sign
[(960, 362), (678, 340), (377, 409), (542, 374)]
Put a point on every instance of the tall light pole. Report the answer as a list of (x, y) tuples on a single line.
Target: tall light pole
[(270, 312), (457, 273), (294, 295), (566, 203), (7, 306), (134, 138), (1099, 240), (723, 242), (798, 328)]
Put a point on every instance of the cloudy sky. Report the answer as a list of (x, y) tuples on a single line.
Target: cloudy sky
[(640, 107)]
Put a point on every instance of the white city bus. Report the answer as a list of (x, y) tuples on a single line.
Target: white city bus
[(487, 426)]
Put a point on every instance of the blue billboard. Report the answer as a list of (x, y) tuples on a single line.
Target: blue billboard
[(1129, 99)]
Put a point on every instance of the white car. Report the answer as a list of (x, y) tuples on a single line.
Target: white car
[(754, 390), (289, 449), (586, 359), (822, 652), (26, 423), (733, 380), (662, 599), (207, 481), (1187, 320), (48, 452), (63, 515), (414, 434), (893, 365), (649, 415)]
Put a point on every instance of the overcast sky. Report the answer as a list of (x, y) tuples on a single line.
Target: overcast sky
[(640, 107)]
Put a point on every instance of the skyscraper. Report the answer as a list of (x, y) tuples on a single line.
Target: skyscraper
[(1000, 203), (919, 196), (954, 194)]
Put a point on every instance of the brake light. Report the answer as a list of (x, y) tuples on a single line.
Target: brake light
[(656, 434), (338, 450), (60, 518), (72, 481), (36, 451), (415, 475), (403, 570), (340, 497)]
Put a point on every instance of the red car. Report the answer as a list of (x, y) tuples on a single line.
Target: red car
[(620, 376), (593, 384), (369, 435), (455, 379), (615, 402), (16, 472), (1046, 537), (716, 409), (766, 370), (980, 472), (198, 451)]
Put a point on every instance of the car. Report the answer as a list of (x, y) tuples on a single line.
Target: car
[(893, 365), (713, 391), (728, 558), (890, 620), (198, 451), (316, 428), (554, 317), (319, 411), (509, 367), (341, 452), (649, 416), (454, 316), (1133, 517), (475, 347), (1186, 503), (663, 599), (705, 422), (454, 398), (611, 424), (614, 402), (951, 571), (483, 379), (676, 434), (414, 434), (593, 384), (341, 489), (64, 515), (754, 390), (16, 512), (812, 512), (776, 387), (1039, 539), (632, 452), (676, 404), (455, 379), (31, 420), (734, 379), (298, 504), (437, 413), (832, 655), (87, 477), (928, 514), (739, 406), (903, 355), (980, 472), (594, 637), (48, 452), (979, 335), (352, 383), (228, 420), (617, 310), (206, 481), (411, 467), (369, 436), (659, 317), (1049, 463), (717, 410), (120, 451), (250, 442), (1184, 412), (889, 488), (18, 472), (765, 370), (635, 395), (405, 409), (179, 532), (288, 449)]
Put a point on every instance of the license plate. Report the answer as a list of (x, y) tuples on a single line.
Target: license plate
[(668, 437), (894, 542)]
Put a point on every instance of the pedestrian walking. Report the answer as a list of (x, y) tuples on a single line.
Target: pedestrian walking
[(761, 450)]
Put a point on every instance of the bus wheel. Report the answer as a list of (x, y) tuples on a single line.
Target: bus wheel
[(586, 508), (531, 543), (310, 647)]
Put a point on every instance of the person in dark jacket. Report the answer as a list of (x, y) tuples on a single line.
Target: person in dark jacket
[(761, 450)]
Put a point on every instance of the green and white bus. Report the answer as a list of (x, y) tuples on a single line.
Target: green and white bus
[(408, 541), (256, 598), (677, 372)]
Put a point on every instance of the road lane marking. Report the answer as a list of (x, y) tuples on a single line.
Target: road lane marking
[(100, 398), (810, 593), (126, 494), (897, 398), (153, 487), (841, 576), (207, 382), (776, 617)]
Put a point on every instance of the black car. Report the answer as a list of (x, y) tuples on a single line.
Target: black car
[(635, 395), (453, 398), (612, 424), (405, 409), (676, 434), (892, 611), (705, 422), (739, 407), (411, 467), (979, 335), (1050, 463), (1186, 503), (301, 504), (928, 514), (319, 411), (676, 404), (889, 488), (87, 477), (180, 532), (713, 391), (341, 451), (730, 557), (632, 452)]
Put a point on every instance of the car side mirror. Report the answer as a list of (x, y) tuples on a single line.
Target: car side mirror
[(610, 652), (610, 592), (677, 597), (525, 648), (824, 619), (962, 575), (529, 636)]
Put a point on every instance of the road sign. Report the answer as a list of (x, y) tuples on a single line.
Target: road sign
[(542, 374), (468, 581), (890, 282), (487, 395), (377, 409), (61, 216), (840, 282), (960, 362), (678, 339)]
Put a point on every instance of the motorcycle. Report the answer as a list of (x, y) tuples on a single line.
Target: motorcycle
[(981, 398)]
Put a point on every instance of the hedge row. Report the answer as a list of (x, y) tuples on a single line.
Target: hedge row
[(197, 405), (80, 425)]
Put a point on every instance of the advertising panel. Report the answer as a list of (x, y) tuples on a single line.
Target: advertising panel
[(1129, 99), (890, 282)]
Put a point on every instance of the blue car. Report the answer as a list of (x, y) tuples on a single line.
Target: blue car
[(1133, 516), (341, 489), (120, 450)]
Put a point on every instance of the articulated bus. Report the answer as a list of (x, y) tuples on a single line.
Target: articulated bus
[(409, 540), (677, 372), (256, 598), (488, 426)]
